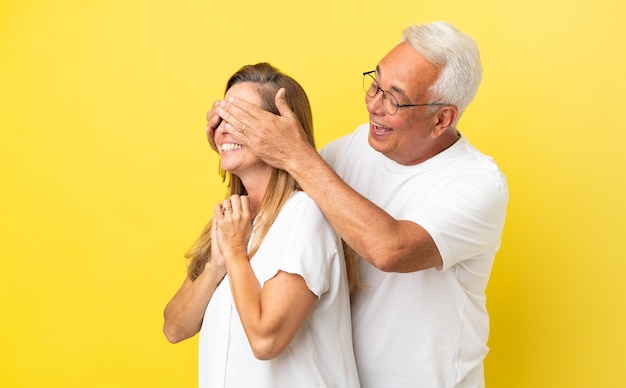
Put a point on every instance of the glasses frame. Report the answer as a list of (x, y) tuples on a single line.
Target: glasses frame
[(393, 98)]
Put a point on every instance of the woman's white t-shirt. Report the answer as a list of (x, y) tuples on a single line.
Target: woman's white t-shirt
[(301, 241)]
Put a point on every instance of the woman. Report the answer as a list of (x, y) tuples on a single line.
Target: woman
[(267, 285)]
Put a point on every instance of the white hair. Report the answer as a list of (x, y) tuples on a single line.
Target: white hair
[(456, 53)]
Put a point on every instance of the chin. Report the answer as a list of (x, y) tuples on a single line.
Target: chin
[(226, 167), (376, 142)]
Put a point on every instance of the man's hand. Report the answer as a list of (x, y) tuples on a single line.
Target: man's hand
[(276, 139), (213, 120)]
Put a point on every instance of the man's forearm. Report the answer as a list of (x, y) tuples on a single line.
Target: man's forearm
[(354, 217), (388, 244)]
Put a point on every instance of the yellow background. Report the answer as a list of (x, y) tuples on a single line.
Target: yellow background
[(106, 176)]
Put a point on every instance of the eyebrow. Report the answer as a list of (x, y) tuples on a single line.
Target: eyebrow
[(394, 89)]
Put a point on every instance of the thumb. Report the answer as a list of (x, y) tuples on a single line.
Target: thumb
[(215, 232), (281, 103)]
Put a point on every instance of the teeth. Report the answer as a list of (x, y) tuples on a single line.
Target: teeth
[(230, 146), (379, 128)]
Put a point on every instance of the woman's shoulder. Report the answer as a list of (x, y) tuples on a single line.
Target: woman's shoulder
[(300, 209), (300, 199)]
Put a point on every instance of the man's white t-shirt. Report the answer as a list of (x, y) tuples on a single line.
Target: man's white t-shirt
[(301, 241), (426, 328)]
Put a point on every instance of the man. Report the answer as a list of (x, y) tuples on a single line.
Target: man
[(422, 207)]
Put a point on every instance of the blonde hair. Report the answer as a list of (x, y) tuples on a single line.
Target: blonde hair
[(268, 80)]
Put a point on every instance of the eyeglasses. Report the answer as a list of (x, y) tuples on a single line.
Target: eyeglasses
[(390, 102)]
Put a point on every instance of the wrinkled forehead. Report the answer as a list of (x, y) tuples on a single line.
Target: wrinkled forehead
[(405, 71)]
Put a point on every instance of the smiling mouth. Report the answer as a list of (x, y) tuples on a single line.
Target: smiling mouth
[(230, 146), (379, 129)]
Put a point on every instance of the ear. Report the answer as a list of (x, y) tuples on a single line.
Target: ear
[(444, 119)]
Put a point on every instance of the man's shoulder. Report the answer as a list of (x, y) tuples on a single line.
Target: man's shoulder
[(358, 133), (346, 144)]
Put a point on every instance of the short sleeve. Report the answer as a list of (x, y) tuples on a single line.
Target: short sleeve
[(302, 242)]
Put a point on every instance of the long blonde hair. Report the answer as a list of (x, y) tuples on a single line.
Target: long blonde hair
[(268, 81)]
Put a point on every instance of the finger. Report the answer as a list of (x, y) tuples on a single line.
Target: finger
[(243, 110), (218, 214), (227, 208), (213, 122), (214, 226), (211, 115), (245, 204), (235, 202), (216, 249), (210, 136), (281, 103), (226, 113), (240, 115)]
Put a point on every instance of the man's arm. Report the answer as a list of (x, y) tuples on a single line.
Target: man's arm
[(389, 244)]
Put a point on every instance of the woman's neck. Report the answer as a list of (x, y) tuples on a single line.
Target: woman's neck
[(256, 185), (256, 199)]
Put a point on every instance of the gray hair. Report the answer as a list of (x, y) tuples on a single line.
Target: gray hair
[(456, 53)]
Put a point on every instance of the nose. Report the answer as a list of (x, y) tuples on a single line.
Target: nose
[(221, 128), (375, 104), (218, 134)]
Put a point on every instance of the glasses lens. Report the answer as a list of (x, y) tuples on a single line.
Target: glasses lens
[(371, 89), (390, 103), (369, 85)]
